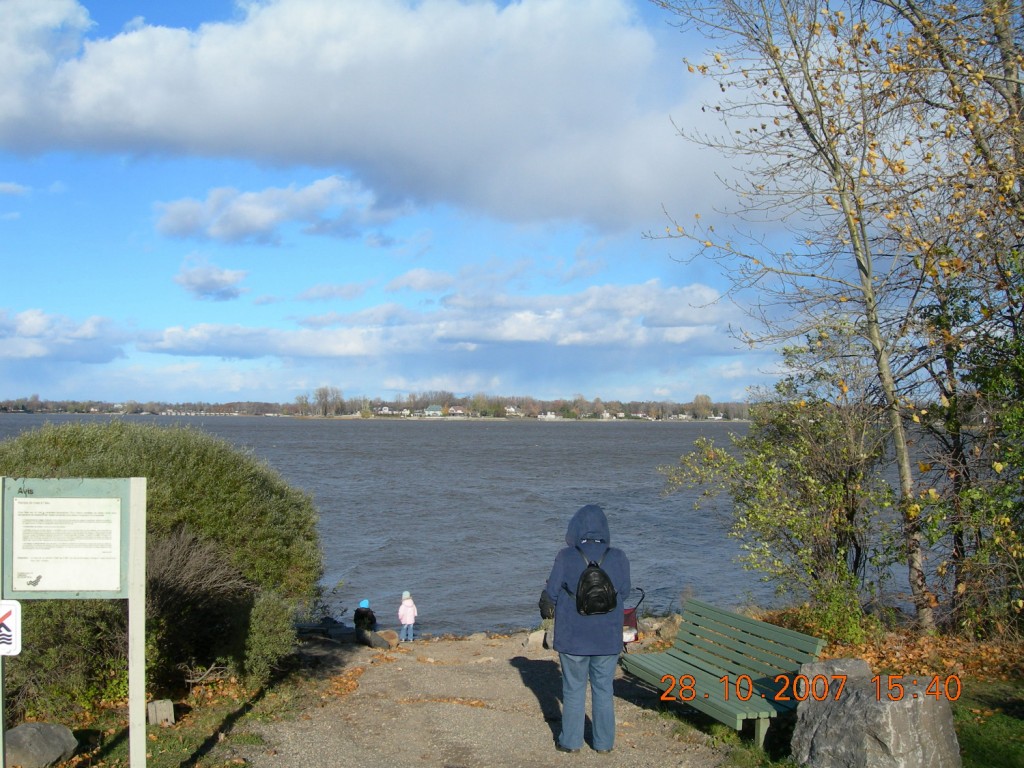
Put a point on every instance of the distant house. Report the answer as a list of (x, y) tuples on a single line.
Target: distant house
[(456, 410), (434, 410), (510, 410)]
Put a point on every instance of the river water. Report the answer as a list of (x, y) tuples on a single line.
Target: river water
[(468, 515)]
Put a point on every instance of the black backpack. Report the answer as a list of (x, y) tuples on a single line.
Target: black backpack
[(595, 593)]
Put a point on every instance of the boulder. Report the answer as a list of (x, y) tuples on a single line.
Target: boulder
[(374, 639), (390, 636), (668, 628), (863, 727), (38, 745)]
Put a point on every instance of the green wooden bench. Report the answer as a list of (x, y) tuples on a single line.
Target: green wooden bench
[(728, 666)]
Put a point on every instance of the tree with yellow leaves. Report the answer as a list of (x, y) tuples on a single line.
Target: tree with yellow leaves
[(885, 136)]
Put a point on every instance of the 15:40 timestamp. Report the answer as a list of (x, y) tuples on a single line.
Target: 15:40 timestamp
[(801, 687), (935, 686)]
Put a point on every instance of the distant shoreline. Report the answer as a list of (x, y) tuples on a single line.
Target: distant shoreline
[(358, 417)]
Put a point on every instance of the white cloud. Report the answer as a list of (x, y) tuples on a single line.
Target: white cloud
[(331, 206), (327, 292), (421, 280), (209, 282), (610, 317), (36, 335), (533, 110), (10, 188), (549, 346), (237, 341)]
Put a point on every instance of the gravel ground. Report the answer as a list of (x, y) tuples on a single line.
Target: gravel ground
[(454, 703)]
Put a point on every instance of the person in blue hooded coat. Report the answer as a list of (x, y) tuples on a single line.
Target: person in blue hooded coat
[(588, 646)]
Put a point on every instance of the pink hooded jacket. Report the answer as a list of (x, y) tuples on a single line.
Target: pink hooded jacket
[(407, 611)]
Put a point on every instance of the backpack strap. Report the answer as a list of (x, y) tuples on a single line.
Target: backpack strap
[(588, 561)]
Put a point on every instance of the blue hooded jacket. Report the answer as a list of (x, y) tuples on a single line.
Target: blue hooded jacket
[(578, 635)]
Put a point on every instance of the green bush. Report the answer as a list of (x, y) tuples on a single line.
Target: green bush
[(225, 536), (69, 649)]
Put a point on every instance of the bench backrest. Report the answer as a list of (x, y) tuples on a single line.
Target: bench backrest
[(726, 643)]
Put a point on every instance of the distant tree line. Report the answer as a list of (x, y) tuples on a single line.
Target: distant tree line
[(328, 401)]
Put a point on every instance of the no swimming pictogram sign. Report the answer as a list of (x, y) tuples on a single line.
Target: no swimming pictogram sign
[(10, 627)]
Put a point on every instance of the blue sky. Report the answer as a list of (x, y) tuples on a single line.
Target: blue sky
[(224, 201)]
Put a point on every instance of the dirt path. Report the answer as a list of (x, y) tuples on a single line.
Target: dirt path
[(455, 703)]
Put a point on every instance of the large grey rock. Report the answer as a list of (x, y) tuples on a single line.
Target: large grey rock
[(390, 637), (863, 729), (38, 745)]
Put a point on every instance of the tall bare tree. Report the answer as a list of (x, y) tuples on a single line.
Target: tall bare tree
[(808, 110), (328, 401)]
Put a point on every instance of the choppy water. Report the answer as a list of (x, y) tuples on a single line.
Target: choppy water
[(468, 515)]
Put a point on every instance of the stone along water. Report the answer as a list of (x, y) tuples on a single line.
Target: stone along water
[(468, 515)]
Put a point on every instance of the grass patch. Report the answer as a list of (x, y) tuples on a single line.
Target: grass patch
[(990, 724), (211, 724)]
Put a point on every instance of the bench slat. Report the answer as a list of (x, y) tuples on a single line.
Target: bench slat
[(707, 691), (789, 637), (720, 713), (730, 712), (728, 647), (766, 637), (672, 663)]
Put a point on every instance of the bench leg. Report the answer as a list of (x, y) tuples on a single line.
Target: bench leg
[(760, 731)]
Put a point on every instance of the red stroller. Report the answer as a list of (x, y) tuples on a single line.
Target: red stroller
[(630, 630)]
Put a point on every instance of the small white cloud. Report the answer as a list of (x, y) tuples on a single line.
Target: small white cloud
[(209, 282), (327, 292), (425, 280), (35, 335), (330, 206), (11, 188)]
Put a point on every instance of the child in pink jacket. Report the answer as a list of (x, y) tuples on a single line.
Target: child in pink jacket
[(407, 617)]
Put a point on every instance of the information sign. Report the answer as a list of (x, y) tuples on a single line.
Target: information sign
[(66, 545), (66, 538)]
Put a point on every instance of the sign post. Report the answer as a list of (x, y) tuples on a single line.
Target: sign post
[(78, 539), (10, 645)]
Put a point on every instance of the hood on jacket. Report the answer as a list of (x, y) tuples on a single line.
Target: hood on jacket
[(589, 523)]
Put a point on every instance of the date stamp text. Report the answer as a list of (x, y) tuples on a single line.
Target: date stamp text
[(684, 688)]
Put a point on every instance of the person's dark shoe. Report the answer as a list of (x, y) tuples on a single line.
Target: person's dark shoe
[(603, 751), (560, 748)]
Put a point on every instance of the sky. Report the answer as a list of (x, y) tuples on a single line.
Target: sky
[(217, 201)]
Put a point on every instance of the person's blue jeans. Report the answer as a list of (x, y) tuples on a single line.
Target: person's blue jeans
[(600, 671), (406, 634)]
